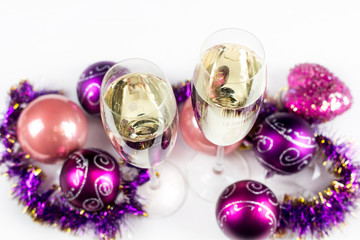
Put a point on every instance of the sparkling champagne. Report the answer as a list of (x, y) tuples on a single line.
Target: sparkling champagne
[(227, 92), (140, 118)]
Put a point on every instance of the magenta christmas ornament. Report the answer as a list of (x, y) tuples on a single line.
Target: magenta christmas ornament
[(316, 94), (88, 88), (90, 179), (51, 127), (247, 210), (284, 143)]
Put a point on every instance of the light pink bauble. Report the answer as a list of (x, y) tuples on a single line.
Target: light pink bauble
[(194, 137), (51, 127)]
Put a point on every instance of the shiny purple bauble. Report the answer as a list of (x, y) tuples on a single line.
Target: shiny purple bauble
[(88, 88), (284, 143), (247, 210), (90, 179)]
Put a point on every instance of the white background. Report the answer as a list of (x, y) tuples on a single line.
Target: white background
[(52, 42)]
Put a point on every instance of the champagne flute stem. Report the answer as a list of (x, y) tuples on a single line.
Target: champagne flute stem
[(154, 179), (219, 163)]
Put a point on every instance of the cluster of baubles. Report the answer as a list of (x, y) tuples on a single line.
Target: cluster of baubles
[(283, 142), (52, 128)]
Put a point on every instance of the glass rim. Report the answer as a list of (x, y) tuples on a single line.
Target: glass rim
[(103, 90), (264, 60)]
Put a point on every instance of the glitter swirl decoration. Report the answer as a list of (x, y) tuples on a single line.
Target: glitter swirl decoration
[(284, 143), (90, 179), (49, 206), (104, 161), (258, 188), (103, 187), (88, 87)]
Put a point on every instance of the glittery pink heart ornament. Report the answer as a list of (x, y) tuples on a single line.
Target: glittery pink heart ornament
[(316, 94)]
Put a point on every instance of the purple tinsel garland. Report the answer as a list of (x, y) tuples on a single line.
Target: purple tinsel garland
[(49, 206), (328, 208), (316, 216), (182, 91)]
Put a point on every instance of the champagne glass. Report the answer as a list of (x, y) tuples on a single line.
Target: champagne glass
[(139, 114), (228, 88)]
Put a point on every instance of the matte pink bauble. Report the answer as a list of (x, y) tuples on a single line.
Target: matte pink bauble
[(51, 127), (194, 137)]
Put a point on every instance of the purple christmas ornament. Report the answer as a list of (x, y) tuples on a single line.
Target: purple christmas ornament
[(88, 88), (284, 143), (90, 179), (247, 210)]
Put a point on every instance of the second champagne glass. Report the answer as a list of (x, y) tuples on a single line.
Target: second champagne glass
[(139, 114), (227, 91)]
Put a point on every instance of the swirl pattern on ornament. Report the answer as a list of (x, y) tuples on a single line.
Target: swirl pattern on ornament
[(229, 191), (286, 133), (89, 92), (82, 167), (93, 204), (104, 187), (100, 72), (258, 188), (290, 156), (265, 143), (240, 205), (104, 162)]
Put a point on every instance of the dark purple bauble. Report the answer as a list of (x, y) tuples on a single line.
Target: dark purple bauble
[(247, 210), (90, 179), (88, 88), (284, 143)]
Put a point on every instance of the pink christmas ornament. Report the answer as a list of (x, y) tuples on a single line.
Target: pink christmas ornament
[(51, 127), (247, 210), (306, 73), (194, 137), (90, 179), (316, 94)]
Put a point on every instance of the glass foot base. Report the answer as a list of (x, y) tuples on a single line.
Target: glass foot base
[(170, 194), (207, 183)]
